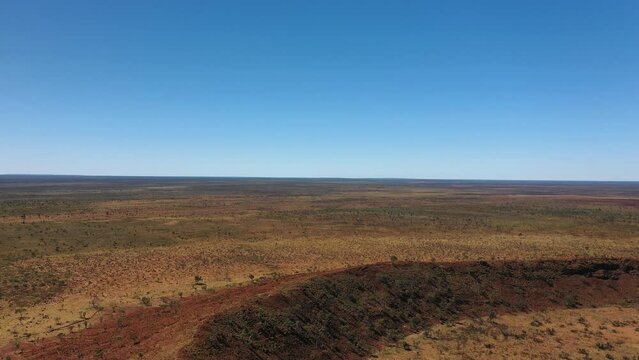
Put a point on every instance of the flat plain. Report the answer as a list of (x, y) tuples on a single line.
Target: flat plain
[(79, 252)]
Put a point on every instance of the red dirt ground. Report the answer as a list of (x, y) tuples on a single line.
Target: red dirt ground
[(161, 332), (152, 332), (330, 317)]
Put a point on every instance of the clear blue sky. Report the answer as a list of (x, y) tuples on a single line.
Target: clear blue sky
[(513, 89)]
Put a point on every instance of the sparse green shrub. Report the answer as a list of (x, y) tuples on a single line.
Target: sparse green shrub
[(570, 300), (406, 346), (604, 346)]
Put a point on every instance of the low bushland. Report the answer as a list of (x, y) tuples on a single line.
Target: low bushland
[(346, 314)]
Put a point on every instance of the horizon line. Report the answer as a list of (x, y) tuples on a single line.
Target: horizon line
[(311, 178)]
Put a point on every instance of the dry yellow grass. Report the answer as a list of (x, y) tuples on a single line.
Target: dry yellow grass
[(119, 245), (603, 333)]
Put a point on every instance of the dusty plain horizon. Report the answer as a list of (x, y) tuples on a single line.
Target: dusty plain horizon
[(78, 253)]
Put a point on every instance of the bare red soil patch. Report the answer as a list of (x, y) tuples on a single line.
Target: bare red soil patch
[(344, 314), (146, 332)]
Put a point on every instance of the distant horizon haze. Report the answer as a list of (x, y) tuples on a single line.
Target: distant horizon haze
[(231, 177)]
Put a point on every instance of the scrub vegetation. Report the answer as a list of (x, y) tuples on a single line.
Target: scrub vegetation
[(69, 243)]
